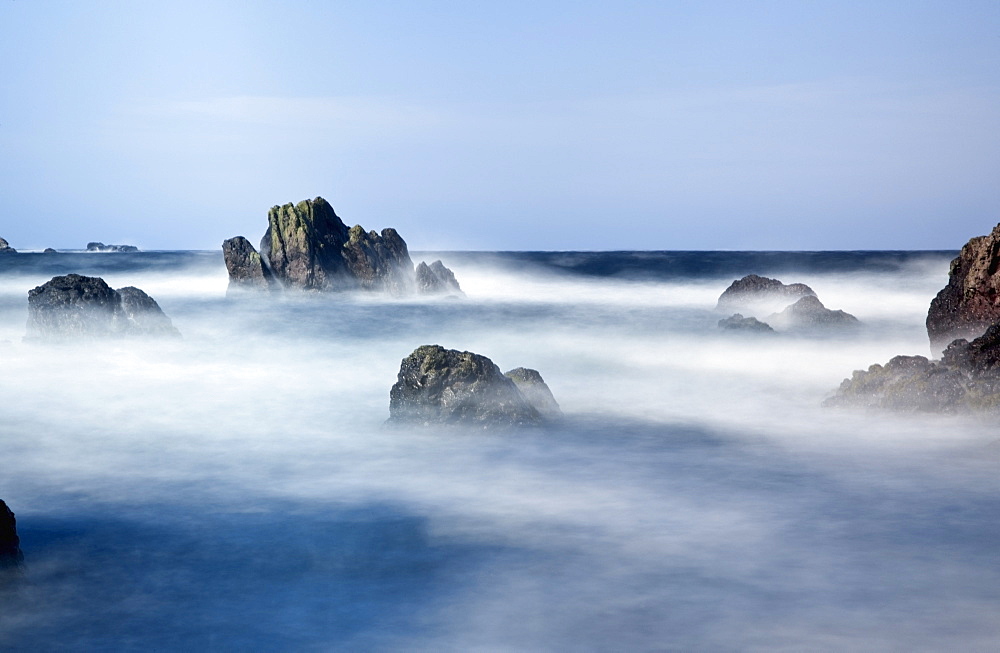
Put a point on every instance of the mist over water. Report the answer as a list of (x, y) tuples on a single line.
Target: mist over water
[(235, 489)]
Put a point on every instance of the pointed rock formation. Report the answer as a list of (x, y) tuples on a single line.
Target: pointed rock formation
[(5, 247), (756, 295), (436, 279), (10, 543), (246, 268), (970, 303), (379, 262)]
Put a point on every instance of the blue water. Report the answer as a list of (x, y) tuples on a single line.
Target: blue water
[(234, 490)]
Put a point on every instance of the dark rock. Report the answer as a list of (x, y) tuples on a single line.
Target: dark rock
[(49, 250), (74, 306), (10, 543), (444, 386), (967, 378), (529, 382), (101, 247), (378, 262), (809, 313), (246, 269), (756, 294), (970, 303), (436, 279), (737, 322), (5, 247)]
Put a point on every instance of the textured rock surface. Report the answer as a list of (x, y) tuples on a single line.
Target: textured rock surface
[(737, 322), (444, 386), (436, 279), (5, 247), (809, 313), (756, 294), (535, 391), (378, 262), (10, 544), (246, 269), (967, 378), (101, 247), (75, 306), (970, 303)]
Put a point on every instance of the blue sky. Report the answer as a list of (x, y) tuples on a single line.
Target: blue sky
[(516, 125)]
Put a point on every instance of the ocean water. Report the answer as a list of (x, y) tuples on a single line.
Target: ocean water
[(235, 489)]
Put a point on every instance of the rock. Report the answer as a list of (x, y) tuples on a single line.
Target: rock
[(379, 262), (74, 306), (101, 247), (809, 313), (737, 322), (529, 382), (10, 543), (49, 250), (246, 269), (436, 279), (5, 247), (758, 295), (970, 303), (438, 386), (966, 379)]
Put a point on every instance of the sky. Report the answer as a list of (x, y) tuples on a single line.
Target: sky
[(545, 125)]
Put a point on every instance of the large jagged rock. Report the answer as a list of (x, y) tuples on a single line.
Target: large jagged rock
[(379, 262), (74, 306), (966, 379), (5, 247), (970, 303), (246, 269), (438, 386), (759, 295), (809, 313), (101, 247), (10, 543), (436, 279), (535, 391), (736, 322)]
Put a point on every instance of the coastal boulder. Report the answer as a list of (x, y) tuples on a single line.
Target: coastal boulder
[(5, 247), (74, 306), (438, 386), (10, 543), (436, 279), (755, 294), (535, 391), (809, 313), (970, 302), (737, 322), (246, 269)]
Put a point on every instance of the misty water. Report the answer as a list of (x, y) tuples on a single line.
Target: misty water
[(235, 489)]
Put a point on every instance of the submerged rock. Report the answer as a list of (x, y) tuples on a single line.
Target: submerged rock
[(966, 379), (444, 386), (246, 269), (970, 302), (809, 313), (101, 247), (5, 247), (737, 322), (535, 391), (756, 294), (10, 543), (436, 279), (74, 306)]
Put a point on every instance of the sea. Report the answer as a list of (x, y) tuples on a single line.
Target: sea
[(235, 489)]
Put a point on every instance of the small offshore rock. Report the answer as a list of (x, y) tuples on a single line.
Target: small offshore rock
[(970, 302), (101, 247), (436, 279), (10, 543), (143, 316), (535, 391), (757, 294), (737, 322), (5, 247), (438, 386), (809, 313), (49, 250), (245, 266)]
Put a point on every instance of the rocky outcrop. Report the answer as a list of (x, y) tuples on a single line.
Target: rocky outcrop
[(438, 386), (436, 279), (101, 247), (535, 391), (737, 322), (5, 247), (74, 306), (970, 303), (966, 379), (757, 295), (10, 543), (49, 250), (809, 313), (246, 269), (378, 262)]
